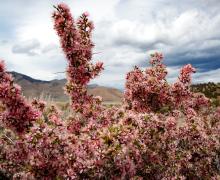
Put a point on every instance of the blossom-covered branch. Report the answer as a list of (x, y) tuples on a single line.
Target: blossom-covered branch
[(19, 115), (75, 39)]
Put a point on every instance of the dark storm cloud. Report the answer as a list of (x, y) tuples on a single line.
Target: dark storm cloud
[(203, 64)]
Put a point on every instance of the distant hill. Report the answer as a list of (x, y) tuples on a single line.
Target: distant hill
[(54, 89), (211, 90)]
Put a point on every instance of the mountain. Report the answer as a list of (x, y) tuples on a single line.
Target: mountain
[(54, 89)]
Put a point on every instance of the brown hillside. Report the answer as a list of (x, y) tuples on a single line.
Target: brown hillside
[(54, 89)]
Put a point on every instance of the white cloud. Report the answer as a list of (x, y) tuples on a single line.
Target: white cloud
[(29, 47), (210, 76)]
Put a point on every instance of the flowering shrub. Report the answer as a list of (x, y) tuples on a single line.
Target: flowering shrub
[(162, 130)]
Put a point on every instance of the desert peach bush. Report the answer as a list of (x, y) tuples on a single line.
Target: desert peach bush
[(162, 130)]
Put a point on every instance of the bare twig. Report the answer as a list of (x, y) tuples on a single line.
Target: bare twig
[(96, 53), (8, 138), (59, 72)]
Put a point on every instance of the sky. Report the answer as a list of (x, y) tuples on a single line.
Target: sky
[(126, 33)]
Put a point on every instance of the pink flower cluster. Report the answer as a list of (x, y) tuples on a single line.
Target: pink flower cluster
[(19, 115), (148, 90), (162, 130), (75, 39)]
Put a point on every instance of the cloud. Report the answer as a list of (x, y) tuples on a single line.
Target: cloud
[(29, 47), (50, 48), (126, 33), (209, 76)]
